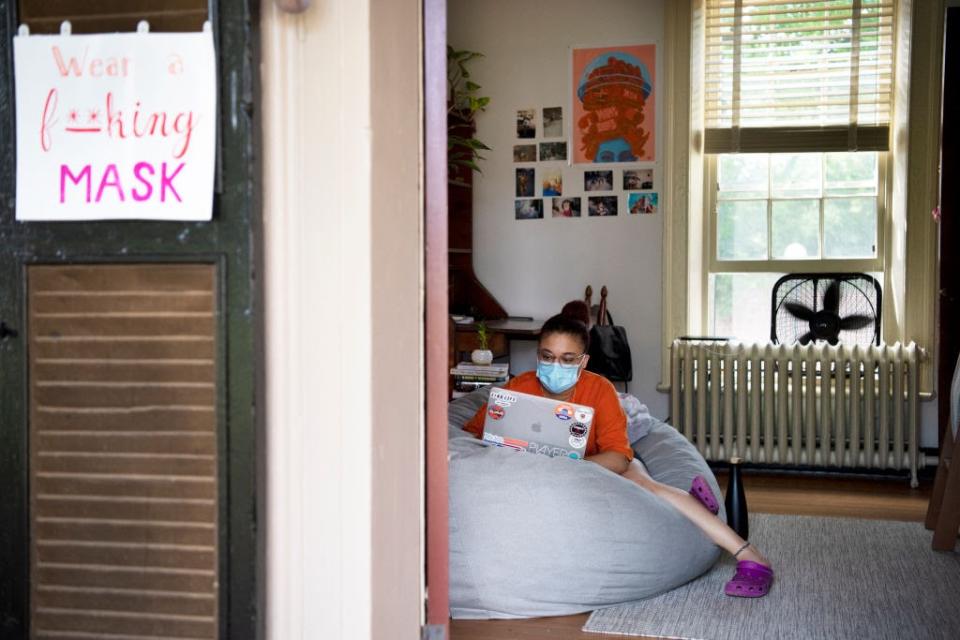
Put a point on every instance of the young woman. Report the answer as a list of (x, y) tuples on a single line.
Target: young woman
[(561, 375)]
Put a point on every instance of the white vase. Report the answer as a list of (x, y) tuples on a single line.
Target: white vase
[(481, 356)]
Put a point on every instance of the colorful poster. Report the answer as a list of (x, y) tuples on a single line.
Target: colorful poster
[(613, 104), (115, 126)]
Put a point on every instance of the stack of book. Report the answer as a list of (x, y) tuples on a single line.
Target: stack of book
[(468, 376)]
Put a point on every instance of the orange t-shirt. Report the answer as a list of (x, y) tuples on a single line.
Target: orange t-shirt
[(609, 432)]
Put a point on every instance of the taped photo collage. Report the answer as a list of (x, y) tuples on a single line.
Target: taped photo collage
[(547, 185)]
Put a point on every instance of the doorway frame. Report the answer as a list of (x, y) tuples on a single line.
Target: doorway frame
[(437, 314)]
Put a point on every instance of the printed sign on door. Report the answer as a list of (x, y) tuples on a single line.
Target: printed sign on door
[(115, 126)]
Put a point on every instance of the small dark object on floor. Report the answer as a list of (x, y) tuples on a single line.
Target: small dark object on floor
[(736, 501)]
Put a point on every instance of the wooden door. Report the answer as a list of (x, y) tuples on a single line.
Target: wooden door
[(948, 338), (128, 381)]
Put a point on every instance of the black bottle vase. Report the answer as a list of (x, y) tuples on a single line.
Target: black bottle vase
[(736, 501)]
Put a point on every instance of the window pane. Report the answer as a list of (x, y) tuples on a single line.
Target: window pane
[(742, 230), (795, 175), (850, 227), (851, 174), (742, 175), (796, 229), (741, 305)]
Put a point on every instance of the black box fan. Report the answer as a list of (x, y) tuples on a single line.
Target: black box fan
[(835, 307)]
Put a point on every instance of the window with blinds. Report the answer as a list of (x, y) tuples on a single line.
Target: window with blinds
[(809, 75)]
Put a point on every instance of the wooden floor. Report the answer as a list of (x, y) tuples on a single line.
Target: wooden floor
[(850, 497)]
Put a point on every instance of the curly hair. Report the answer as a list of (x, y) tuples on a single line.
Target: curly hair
[(573, 321)]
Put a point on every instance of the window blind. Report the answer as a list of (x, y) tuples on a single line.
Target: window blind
[(807, 75)]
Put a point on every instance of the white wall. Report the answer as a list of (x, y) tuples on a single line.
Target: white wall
[(534, 266)]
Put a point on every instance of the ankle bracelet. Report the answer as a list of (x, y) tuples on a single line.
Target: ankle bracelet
[(740, 550)]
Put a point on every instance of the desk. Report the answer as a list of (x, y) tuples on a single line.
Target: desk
[(502, 332), (463, 338)]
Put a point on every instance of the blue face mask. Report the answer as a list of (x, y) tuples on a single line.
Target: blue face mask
[(557, 379)]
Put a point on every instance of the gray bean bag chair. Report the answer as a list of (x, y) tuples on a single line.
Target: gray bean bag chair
[(536, 536)]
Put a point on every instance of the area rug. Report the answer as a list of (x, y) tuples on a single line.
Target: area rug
[(837, 578)]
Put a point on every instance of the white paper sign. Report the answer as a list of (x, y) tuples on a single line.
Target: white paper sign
[(115, 126)]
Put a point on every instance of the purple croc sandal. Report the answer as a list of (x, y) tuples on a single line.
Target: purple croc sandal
[(700, 490), (752, 580)]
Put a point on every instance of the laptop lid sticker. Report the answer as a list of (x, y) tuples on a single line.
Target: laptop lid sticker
[(563, 411), (502, 397), (578, 430), (496, 412)]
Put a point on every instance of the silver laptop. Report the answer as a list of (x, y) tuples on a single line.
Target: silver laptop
[(536, 424)]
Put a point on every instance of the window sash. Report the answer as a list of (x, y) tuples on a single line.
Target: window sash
[(833, 93), (813, 265)]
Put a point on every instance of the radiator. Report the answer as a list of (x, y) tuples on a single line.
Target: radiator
[(808, 405)]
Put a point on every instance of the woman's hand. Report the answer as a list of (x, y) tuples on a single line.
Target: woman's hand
[(611, 460)]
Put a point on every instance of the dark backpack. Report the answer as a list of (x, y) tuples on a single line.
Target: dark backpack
[(609, 348)]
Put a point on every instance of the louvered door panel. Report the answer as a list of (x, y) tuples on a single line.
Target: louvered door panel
[(123, 451), (104, 16)]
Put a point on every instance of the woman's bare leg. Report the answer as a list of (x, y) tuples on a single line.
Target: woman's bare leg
[(712, 526)]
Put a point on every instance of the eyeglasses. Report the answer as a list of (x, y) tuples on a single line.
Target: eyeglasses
[(566, 360)]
